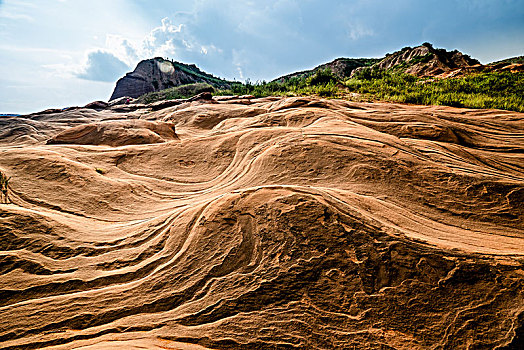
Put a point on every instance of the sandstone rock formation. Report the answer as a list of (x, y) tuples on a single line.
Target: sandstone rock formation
[(117, 133), (98, 105), (424, 61), (274, 223), (124, 100), (158, 74)]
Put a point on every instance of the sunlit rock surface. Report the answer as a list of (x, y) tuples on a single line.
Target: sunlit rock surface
[(270, 223)]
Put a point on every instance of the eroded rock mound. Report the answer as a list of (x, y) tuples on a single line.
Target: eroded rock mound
[(274, 223), (117, 133)]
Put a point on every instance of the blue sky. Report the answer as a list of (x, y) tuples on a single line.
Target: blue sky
[(58, 53)]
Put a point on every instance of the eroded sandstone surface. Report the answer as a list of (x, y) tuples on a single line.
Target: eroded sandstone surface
[(293, 223)]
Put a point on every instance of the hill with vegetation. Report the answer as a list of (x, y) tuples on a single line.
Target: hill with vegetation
[(415, 75), (341, 68), (158, 74), (511, 60), (420, 75), (422, 61)]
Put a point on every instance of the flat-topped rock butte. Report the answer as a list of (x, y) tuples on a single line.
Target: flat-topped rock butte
[(272, 223)]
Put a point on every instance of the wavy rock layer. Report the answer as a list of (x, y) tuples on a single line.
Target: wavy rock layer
[(265, 224), (117, 133)]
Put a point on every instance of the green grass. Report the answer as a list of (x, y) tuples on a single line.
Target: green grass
[(197, 72), (502, 90), (323, 83), (494, 90), (421, 59)]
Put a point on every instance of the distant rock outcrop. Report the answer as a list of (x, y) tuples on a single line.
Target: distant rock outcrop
[(512, 64), (424, 61), (341, 68), (158, 74)]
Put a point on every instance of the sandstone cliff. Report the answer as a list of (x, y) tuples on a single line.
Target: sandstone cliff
[(158, 74)]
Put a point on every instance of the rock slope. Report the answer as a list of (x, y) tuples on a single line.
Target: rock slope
[(158, 74), (424, 61), (293, 223)]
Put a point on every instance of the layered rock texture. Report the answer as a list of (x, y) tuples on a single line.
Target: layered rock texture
[(294, 223), (117, 133), (427, 61), (424, 61), (158, 74)]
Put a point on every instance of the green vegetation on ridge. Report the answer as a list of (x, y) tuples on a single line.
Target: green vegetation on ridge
[(193, 70), (518, 59), (341, 67), (495, 90), (498, 90), (323, 83)]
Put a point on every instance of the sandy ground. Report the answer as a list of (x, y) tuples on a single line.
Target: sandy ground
[(270, 223)]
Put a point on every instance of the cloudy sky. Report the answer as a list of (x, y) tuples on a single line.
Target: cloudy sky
[(57, 53)]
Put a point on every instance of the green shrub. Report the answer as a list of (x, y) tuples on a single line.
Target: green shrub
[(322, 77), (421, 59)]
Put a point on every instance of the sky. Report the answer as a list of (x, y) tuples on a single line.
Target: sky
[(59, 53)]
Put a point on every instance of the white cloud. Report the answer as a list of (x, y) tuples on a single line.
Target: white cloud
[(357, 31), (239, 60), (16, 16), (98, 65), (123, 49), (170, 40), (241, 44), (16, 11), (240, 73), (237, 27), (61, 70), (102, 66), (120, 54)]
